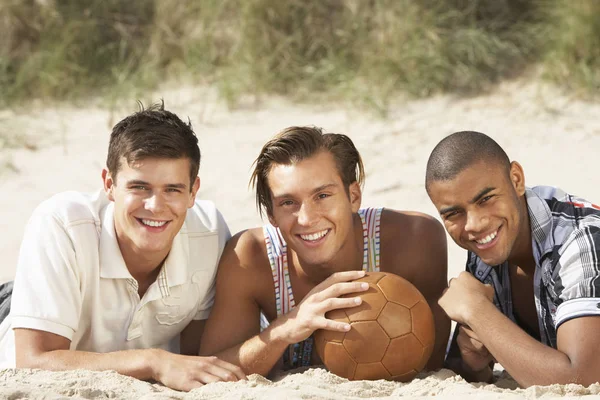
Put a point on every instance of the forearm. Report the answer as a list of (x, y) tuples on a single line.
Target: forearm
[(259, 354), (138, 364), (528, 361)]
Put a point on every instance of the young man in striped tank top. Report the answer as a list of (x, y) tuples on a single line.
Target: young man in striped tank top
[(289, 273)]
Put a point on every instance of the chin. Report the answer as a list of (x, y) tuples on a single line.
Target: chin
[(493, 260), (149, 247), (317, 260)]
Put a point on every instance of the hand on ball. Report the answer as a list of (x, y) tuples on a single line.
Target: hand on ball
[(309, 315)]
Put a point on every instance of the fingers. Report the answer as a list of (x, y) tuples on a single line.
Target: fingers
[(234, 369), (467, 331), (218, 370), (467, 339), (340, 289), (343, 276), (211, 369), (335, 303), (331, 325)]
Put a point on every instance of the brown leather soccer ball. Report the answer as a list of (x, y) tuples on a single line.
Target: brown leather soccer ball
[(392, 333)]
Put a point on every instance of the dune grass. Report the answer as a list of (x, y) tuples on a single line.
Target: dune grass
[(366, 51)]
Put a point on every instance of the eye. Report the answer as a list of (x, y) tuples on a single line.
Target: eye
[(139, 187), (323, 195), (173, 190), (450, 215), (286, 203), (486, 198)]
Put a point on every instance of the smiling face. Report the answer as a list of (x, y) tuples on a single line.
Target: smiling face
[(312, 208), (483, 210), (151, 199)]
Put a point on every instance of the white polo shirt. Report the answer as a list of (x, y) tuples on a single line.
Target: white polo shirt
[(71, 279)]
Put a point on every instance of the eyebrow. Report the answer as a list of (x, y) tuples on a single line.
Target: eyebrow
[(168, 185), (316, 190), (475, 199), (481, 194)]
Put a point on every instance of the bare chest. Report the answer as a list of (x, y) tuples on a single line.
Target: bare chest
[(523, 301)]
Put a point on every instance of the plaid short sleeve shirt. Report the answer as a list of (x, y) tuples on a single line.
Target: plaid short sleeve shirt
[(565, 236)]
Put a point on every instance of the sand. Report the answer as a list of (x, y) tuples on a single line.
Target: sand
[(44, 150)]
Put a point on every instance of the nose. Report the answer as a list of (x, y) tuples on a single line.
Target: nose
[(307, 216), (476, 221), (154, 203)]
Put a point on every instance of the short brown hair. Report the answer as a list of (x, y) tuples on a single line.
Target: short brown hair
[(297, 143), (153, 133)]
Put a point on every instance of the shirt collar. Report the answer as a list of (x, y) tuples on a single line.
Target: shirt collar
[(173, 273), (112, 265), (540, 218)]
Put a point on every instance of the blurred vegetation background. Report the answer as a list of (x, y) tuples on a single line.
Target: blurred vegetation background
[(359, 50)]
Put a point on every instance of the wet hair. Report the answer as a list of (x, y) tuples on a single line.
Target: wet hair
[(460, 150), (153, 133), (298, 143)]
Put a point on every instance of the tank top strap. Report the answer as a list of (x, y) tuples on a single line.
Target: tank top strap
[(278, 259), (371, 221)]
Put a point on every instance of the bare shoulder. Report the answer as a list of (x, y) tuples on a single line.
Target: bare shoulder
[(246, 249), (411, 226), (244, 267), (413, 245)]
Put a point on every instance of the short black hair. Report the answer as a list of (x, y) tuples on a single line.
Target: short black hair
[(459, 151)]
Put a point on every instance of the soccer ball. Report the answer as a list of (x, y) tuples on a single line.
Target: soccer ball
[(392, 334)]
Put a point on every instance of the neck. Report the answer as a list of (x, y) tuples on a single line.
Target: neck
[(349, 257), (522, 251), (142, 266)]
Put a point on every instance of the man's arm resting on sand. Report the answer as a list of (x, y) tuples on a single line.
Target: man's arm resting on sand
[(529, 362), (233, 327), (45, 350), (260, 353)]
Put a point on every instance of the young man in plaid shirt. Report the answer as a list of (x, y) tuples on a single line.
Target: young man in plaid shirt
[(530, 298)]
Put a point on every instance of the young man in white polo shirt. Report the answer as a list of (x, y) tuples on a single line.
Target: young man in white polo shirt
[(123, 279)]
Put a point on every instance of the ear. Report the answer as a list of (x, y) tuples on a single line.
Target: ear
[(108, 184), (517, 177), (193, 192), (355, 195)]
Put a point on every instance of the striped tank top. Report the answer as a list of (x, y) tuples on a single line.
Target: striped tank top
[(299, 354)]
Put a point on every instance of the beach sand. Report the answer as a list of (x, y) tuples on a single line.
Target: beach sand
[(45, 150)]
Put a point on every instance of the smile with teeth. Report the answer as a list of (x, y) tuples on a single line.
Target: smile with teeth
[(488, 238), (153, 223), (311, 237)]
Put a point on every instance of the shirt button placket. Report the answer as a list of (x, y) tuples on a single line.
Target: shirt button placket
[(134, 330)]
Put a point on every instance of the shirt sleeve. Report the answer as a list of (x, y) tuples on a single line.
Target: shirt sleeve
[(207, 302), (578, 282), (46, 293)]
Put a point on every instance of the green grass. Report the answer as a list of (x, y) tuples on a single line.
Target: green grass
[(364, 51), (572, 55)]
